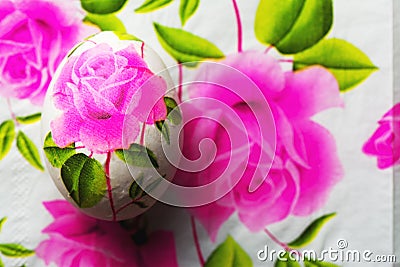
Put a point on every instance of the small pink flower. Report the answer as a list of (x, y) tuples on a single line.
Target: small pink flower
[(306, 165), (78, 240), (35, 36), (385, 141), (104, 95)]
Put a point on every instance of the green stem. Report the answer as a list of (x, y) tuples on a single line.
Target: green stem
[(13, 116), (280, 243), (196, 241), (109, 187)]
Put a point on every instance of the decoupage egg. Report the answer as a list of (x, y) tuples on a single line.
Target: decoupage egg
[(105, 121)]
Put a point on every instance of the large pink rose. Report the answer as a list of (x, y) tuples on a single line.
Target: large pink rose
[(305, 167), (78, 240), (104, 95), (34, 38), (385, 141)]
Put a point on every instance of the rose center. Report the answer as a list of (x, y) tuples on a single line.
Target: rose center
[(100, 115), (102, 67), (17, 70)]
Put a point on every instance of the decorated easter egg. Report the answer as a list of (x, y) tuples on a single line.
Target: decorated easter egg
[(109, 111)]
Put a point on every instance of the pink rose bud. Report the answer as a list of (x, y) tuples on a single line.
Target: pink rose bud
[(384, 143)]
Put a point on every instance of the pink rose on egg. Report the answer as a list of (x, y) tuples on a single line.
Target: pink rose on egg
[(78, 240), (385, 141), (35, 37), (305, 167), (105, 95)]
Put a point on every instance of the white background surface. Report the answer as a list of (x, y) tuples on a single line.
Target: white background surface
[(363, 200)]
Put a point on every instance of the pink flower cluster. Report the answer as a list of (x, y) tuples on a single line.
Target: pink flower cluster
[(35, 36), (78, 240), (306, 165)]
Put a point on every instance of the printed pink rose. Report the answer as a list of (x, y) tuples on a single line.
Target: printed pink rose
[(35, 36), (306, 165), (78, 240), (104, 95), (385, 141)]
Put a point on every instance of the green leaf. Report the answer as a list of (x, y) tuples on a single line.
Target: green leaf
[(286, 262), (164, 129), (152, 5), (294, 25), (106, 22), (311, 231), (229, 254), (56, 155), (29, 150), (310, 263), (2, 222), (127, 36), (347, 63), (15, 251), (138, 155), (140, 204), (187, 8), (102, 6), (1, 263), (135, 191), (84, 179), (173, 111), (153, 185), (30, 118), (186, 47), (7, 135)]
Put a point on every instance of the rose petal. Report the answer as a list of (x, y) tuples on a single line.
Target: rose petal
[(68, 257), (151, 106), (91, 258), (63, 14), (90, 103), (134, 59), (9, 48), (325, 169), (56, 249), (288, 139), (383, 144), (159, 250), (273, 201), (103, 65), (393, 114), (308, 92), (6, 8), (212, 216), (117, 132), (65, 129), (62, 93), (59, 208), (14, 27), (246, 77), (71, 225), (79, 61), (265, 71), (121, 88), (37, 96)]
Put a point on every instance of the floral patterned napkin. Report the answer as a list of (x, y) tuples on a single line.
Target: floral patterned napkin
[(325, 69)]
